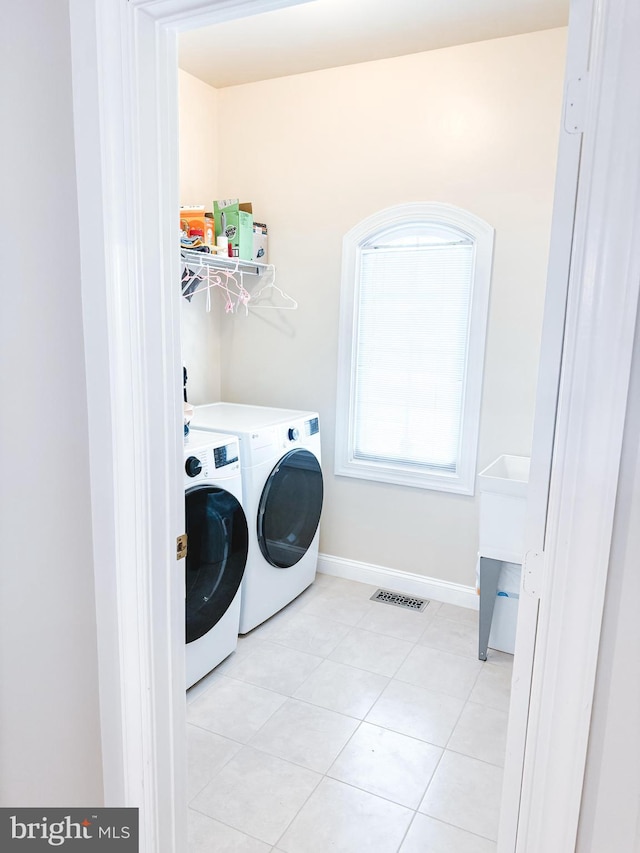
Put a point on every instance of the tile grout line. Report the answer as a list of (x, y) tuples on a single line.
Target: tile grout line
[(360, 669), (311, 793), (459, 828), (229, 826), (406, 832)]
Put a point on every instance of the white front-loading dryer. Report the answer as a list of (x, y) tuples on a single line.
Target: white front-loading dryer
[(283, 493), (217, 549)]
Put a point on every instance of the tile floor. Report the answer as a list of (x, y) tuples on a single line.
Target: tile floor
[(347, 725)]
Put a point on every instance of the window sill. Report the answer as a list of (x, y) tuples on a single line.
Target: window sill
[(453, 484)]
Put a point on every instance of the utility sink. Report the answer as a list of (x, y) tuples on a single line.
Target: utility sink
[(503, 506), (508, 475), (503, 503)]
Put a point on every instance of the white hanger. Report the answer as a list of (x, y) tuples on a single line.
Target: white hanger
[(234, 291), (271, 285)]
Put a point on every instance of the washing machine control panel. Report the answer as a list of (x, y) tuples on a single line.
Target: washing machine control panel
[(193, 466), (290, 433), (297, 431), (203, 463), (226, 455), (312, 427)]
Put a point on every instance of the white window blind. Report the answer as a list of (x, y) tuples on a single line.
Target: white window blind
[(411, 351), (413, 319)]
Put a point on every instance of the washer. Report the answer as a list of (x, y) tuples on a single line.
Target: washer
[(217, 548), (283, 490)]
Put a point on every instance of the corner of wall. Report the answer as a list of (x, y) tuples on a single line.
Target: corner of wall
[(199, 172)]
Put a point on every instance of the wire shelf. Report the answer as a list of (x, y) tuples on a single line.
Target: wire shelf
[(219, 262)]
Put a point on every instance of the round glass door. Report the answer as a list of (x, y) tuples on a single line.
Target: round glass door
[(217, 547), (290, 506)]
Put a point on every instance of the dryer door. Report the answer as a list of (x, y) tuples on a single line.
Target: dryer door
[(289, 510), (216, 557)]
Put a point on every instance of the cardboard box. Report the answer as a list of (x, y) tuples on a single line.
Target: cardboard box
[(235, 221), (209, 229), (192, 221), (260, 242)]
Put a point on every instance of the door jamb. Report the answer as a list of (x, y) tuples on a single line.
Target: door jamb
[(125, 105), (601, 314), (124, 79), (553, 333)]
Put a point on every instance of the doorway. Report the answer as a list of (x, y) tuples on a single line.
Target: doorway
[(451, 142), (152, 373)]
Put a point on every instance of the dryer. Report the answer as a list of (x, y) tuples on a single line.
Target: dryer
[(283, 491), (217, 548)]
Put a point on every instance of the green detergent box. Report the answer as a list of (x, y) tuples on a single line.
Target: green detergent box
[(235, 221)]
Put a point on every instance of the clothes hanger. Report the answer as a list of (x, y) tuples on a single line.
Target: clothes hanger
[(240, 294), (271, 285), (234, 291), (190, 282)]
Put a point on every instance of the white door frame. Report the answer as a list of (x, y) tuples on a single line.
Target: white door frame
[(553, 332), (125, 105), (125, 91), (600, 327)]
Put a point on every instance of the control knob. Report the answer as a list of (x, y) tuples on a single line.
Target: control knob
[(294, 434), (193, 466)]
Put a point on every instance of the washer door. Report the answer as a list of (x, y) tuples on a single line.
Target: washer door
[(216, 557), (289, 510)]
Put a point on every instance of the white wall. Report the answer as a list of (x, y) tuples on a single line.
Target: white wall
[(49, 717), (475, 126), (199, 185)]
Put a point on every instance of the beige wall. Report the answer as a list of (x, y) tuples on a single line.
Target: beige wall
[(475, 126), (199, 185), (50, 740)]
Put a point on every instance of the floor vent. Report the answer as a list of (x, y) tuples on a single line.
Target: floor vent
[(399, 600)]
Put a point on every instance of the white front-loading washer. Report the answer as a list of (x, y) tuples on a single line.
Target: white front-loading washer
[(283, 491), (217, 548)]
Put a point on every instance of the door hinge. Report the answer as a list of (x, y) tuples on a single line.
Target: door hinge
[(181, 547), (576, 103), (532, 570)]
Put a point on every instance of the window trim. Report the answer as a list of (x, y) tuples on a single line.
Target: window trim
[(482, 234)]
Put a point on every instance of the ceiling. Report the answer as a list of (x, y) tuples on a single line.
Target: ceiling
[(330, 33)]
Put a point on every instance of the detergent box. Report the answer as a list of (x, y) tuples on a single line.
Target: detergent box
[(235, 221), (192, 221), (260, 237)]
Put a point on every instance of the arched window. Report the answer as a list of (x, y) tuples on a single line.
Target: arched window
[(415, 297)]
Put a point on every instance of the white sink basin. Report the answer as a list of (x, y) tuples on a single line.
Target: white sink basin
[(503, 503), (508, 475)]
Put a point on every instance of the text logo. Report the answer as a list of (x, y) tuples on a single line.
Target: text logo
[(106, 830)]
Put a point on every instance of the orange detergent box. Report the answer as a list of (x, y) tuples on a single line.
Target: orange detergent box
[(192, 221)]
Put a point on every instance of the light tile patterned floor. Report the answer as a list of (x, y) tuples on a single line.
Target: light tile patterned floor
[(344, 725)]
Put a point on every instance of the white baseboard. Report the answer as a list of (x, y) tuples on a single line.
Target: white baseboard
[(405, 582)]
